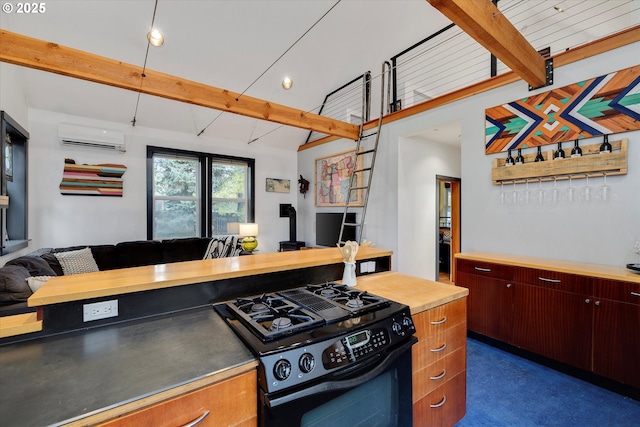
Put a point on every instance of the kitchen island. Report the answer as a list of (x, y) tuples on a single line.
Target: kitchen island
[(88, 376)]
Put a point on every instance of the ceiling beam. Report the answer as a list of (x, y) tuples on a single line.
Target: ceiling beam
[(482, 20), (42, 55)]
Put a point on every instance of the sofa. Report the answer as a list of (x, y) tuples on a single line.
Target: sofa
[(22, 276)]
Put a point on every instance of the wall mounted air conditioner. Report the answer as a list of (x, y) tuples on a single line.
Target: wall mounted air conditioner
[(85, 136)]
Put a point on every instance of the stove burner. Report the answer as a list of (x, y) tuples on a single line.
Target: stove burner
[(329, 292), (355, 303), (259, 307), (280, 323), (347, 297)]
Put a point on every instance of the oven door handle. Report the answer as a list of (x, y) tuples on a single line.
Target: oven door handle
[(344, 384)]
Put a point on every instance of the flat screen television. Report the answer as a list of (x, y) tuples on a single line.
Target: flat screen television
[(328, 228)]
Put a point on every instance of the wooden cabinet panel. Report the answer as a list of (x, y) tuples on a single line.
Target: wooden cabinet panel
[(554, 280), (616, 341), (618, 291), (427, 379), (430, 349), (439, 363), (232, 402), (490, 305), (494, 271), (444, 406), (554, 324), (440, 318)]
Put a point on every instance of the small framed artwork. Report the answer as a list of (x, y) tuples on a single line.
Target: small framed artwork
[(332, 176), (275, 185), (8, 158)]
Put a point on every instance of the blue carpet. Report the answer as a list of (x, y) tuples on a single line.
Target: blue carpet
[(507, 390)]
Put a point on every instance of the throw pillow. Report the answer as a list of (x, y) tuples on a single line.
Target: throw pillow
[(34, 264), (77, 262), (214, 250), (35, 282), (13, 284)]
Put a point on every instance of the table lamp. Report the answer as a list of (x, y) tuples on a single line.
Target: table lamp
[(249, 231)]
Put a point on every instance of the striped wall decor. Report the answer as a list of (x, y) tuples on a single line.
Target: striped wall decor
[(92, 180), (602, 105)]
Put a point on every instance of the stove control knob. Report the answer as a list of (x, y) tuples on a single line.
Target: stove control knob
[(307, 362), (397, 328), (282, 369), (407, 323)]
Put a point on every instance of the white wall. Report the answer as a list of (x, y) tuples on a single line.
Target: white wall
[(12, 94), (57, 221), (601, 233)]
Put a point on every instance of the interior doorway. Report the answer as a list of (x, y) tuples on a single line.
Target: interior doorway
[(447, 226)]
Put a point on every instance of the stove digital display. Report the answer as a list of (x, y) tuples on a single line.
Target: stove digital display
[(359, 339)]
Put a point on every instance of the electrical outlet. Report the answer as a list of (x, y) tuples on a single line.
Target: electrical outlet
[(100, 310)]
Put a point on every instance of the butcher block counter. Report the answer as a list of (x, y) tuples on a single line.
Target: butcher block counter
[(139, 279), (419, 294), (611, 272)]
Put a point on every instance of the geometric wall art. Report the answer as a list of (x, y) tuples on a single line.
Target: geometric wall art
[(92, 180), (601, 105)]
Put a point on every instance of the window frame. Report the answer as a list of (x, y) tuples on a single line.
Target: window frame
[(206, 201)]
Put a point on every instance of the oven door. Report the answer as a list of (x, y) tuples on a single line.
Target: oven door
[(376, 392)]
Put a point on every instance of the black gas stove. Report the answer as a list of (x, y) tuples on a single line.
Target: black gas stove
[(302, 335)]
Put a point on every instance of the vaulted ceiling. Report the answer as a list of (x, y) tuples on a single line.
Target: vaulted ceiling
[(240, 45)]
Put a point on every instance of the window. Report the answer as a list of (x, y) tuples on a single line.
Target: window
[(193, 194)]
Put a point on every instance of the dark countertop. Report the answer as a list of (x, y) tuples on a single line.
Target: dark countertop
[(54, 380)]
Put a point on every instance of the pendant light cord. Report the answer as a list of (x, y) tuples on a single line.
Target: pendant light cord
[(144, 66)]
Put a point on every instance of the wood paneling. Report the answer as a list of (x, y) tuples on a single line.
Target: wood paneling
[(232, 402), (444, 406)]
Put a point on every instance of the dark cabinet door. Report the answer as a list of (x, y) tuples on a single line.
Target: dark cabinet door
[(616, 331), (553, 323), (489, 305)]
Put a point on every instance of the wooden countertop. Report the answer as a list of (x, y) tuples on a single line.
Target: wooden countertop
[(116, 282), (419, 294), (579, 268)]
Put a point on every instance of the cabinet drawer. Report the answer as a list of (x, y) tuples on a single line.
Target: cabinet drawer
[(427, 379), (231, 402), (441, 318), (433, 348), (496, 271), (444, 406), (555, 280), (617, 291)]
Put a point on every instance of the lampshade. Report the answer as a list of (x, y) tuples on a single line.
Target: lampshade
[(248, 229), (233, 227)]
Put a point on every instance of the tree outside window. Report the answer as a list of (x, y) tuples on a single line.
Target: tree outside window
[(197, 194)]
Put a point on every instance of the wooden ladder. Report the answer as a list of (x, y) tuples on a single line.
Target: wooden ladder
[(365, 159)]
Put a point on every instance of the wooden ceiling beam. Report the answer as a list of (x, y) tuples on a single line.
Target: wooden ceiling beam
[(42, 55), (482, 20)]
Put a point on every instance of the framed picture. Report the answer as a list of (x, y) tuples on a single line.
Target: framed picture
[(275, 185), (332, 175), (8, 158)]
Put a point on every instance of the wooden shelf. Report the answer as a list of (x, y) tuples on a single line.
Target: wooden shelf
[(591, 164), (19, 324)]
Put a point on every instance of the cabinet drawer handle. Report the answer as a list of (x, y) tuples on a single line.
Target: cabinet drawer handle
[(439, 349), (544, 279), (486, 270), (440, 322), (197, 420), (439, 404), (635, 294), (439, 377)]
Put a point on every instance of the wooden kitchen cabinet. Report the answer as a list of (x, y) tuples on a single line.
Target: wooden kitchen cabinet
[(552, 316), (577, 314), (490, 300), (231, 402), (616, 331), (439, 365)]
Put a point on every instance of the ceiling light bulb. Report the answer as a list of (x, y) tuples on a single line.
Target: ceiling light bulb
[(155, 38), (287, 83)]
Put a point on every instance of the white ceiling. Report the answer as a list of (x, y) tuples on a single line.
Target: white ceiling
[(222, 43), (231, 43)]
